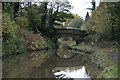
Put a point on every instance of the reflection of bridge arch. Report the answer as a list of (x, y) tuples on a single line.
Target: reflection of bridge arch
[(76, 60)]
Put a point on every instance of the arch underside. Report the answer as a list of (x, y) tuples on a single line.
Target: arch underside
[(77, 38)]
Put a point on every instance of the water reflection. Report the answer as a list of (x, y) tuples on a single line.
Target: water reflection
[(65, 53), (68, 73), (44, 64)]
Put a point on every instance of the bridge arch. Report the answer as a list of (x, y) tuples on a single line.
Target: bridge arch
[(66, 39), (75, 34)]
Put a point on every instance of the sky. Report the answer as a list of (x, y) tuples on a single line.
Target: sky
[(79, 7)]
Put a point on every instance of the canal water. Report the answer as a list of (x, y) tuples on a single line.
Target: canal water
[(59, 64)]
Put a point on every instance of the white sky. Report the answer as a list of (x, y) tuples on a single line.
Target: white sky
[(79, 6)]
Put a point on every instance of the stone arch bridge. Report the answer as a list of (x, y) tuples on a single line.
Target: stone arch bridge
[(75, 34)]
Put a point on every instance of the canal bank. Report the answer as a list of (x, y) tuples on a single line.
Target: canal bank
[(106, 59)]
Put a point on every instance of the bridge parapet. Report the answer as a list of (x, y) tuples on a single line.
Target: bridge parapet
[(75, 34)]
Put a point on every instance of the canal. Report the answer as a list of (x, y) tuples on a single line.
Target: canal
[(55, 63), (49, 64)]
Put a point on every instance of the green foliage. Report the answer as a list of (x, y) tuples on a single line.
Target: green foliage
[(0, 46), (22, 18), (7, 7), (107, 66), (49, 44), (115, 20), (110, 68), (37, 45), (92, 38), (11, 7), (19, 45), (34, 18), (62, 16), (12, 43), (76, 22), (9, 27), (105, 21), (42, 18)]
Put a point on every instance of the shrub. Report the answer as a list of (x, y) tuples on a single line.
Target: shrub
[(12, 43)]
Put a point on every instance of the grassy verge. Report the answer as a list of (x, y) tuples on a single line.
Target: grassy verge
[(107, 66)]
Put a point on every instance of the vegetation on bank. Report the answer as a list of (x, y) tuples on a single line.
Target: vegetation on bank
[(101, 57), (109, 68), (17, 39), (104, 21), (105, 41), (12, 43), (23, 26)]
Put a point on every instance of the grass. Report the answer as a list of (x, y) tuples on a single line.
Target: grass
[(108, 67)]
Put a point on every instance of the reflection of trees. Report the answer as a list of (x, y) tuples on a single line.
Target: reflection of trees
[(42, 71), (65, 53), (65, 42), (45, 69), (77, 60)]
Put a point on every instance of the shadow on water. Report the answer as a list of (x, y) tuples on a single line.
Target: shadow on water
[(49, 64)]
